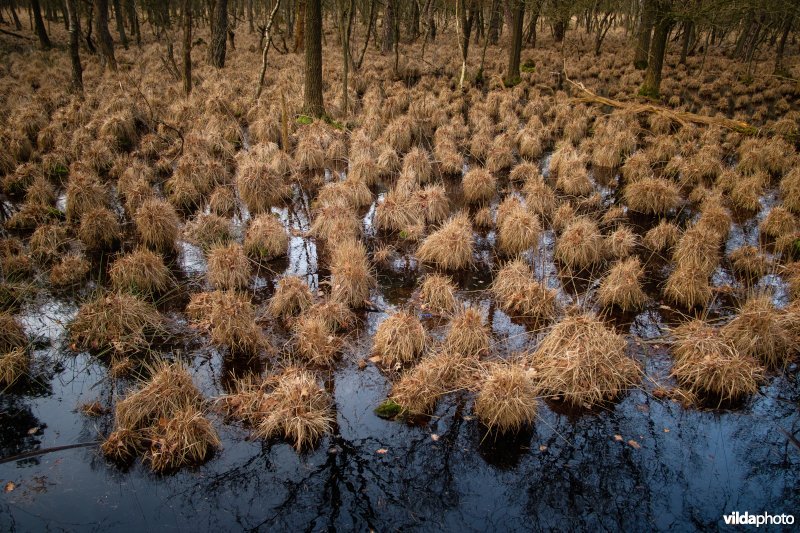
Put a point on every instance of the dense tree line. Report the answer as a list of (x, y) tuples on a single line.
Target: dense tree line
[(653, 26)]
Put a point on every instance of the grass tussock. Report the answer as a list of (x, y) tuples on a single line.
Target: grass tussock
[(118, 323), (71, 270), (229, 318), (467, 335), (157, 225), (478, 185), (506, 401), (314, 340), (621, 243), (14, 365), (434, 203), (163, 421), (518, 230), (48, 243), (450, 247), (517, 293), (583, 363), (652, 196), (708, 364), (762, 331), (351, 274), (438, 295), (662, 237), (266, 238), (622, 287), (228, 267), (778, 222), (141, 272), (749, 261), (207, 230), (399, 339), (581, 244), (12, 335), (292, 297), (99, 229)]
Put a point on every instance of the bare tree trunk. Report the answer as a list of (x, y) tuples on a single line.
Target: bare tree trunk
[(658, 47), (250, 26), (369, 31), (120, 24), (103, 35), (515, 46), (41, 33), (133, 21), (74, 47), (688, 31), (345, 28), (787, 26), (479, 76), (464, 22), (300, 25), (219, 34), (644, 34), (187, 47), (12, 6), (312, 95), (389, 26), (267, 39)]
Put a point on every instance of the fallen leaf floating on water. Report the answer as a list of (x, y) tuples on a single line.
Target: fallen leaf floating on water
[(381, 451), (434, 437), (542, 448), (633, 444), (10, 486), (33, 431), (618, 438)]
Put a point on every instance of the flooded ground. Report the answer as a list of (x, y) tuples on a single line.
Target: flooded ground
[(643, 463)]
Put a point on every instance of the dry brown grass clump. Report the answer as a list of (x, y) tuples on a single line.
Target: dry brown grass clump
[(71, 270), (334, 222), (99, 229), (351, 274), (419, 388), (749, 261), (228, 267), (336, 315), (581, 244), (140, 272), (438, 294), (164, 421), (117, 323), (398, 210), (315, 341), (297, 409), (157, 225), (778, 222), (434, 203), (229, 318), (449, 247), (222, 201), (48, 243), (506, 401), (292, 297), (399, 339), (12, 335), (261, 185), (266, 238), (518, 230), (13, 366), (467, 335), (520, 295), (764, 332), (790, 190), (207, 230), (84, 193), (417, 165), (707, 363), (583, 363), (479, 185), (539, 197), (573, 179), (622, 287), (652, 196), (689, 286), (662, 238), (714, 216), (621, 243), (16, 267)]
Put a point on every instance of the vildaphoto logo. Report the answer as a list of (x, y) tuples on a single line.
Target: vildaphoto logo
[(764, 519)]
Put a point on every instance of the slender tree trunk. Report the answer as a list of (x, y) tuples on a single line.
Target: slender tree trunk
[(658, 48), (479, 76), (787, 26), (133, 21), (103, 35), (120, 22), (300, 26), (12, 6), (74, 47), (515, 46), (267, 38), (345, 28), (219, 34), (644, 34), (388, 26), (41, 33), (187, 47), (688, 31), (312, 95), (250, 26), (369, 31)]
